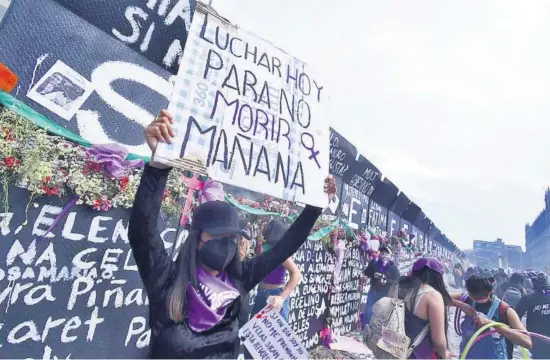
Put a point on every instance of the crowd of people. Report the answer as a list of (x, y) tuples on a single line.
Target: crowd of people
[(490, 296), (527, 294)]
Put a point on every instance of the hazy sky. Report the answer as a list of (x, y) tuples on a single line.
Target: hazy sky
[(449, 99)]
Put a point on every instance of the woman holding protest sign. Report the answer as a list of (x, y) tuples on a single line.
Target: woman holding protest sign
[(194, 302)]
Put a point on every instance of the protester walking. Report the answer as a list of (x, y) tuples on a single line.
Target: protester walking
[(486, 307), (511, 292), (194, 302), (469, 272), (384, 275), (274, 289), (536, 307), (500, 277), (426, 300)]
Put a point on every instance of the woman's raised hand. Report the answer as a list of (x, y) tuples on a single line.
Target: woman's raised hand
[(160, 130), (330, 187)]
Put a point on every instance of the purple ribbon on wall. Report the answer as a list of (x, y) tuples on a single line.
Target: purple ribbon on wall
[(113, 158), (60, 216)]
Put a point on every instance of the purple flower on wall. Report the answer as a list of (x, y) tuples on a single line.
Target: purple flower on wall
[(113, 159), (327, 337)]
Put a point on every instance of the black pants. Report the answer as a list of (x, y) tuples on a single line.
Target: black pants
[(244, 316)]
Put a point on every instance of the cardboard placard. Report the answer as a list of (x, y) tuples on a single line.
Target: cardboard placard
[(250, 113), (268, 336), (394, 343)]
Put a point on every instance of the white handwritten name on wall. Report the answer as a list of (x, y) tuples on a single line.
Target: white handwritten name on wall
[(236, 95), (364, 182), (338, 157), (346, 297), (377, 216), (141, 26), (309, 301), (156, 29), (83, 276)]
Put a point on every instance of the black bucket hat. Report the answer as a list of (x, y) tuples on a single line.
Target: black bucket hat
[(217, 218)]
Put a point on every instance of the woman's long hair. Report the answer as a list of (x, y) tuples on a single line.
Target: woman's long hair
[(186, 274), (411, 285)]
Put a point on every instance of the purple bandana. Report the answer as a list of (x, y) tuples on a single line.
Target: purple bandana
[(383, 265), (207, 305)]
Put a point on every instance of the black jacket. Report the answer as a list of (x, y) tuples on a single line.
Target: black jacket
[(171, 340), (536, 307)]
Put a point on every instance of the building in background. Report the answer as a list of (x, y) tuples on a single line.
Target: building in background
[(537, 239), (489, 254), (514, 257), (496, 254)]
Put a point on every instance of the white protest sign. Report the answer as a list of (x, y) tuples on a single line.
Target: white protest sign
[(250, 113), (268, 336)]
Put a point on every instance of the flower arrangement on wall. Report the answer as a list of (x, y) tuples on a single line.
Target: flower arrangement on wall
[(101, 176), (269, 204)]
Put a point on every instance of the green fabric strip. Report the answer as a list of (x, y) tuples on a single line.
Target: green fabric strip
[(249, 209), (321, 233), (22, 109), (318, 235), (346, 227)]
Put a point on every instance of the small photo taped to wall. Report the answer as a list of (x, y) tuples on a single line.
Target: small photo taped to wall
[(61, 90)]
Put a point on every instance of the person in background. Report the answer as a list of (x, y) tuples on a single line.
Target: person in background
[(458, 274), (469, 272), (194, 302), (501, 277), (528, 283), (536, 307), (274, 288), (489, 275), (384, 275), (482, 307), (511, 292), (426, 298)]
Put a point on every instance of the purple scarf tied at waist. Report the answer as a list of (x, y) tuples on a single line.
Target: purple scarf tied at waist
[(207, 305)]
